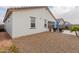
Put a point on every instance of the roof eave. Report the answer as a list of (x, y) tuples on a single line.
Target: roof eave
[(9, 11)]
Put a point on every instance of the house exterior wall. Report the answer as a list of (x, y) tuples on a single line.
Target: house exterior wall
[(21, 23), (8, 25)]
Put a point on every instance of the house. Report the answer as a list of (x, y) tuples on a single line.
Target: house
[(27, 20), (60, 20)]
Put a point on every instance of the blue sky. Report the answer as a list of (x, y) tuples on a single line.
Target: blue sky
[(2, 10), (2, 14)]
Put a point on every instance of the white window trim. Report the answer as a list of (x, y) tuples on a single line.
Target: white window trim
[(32, 22)]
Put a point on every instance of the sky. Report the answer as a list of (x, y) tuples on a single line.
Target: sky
[(68, 13), (2, 14), (58, 11)]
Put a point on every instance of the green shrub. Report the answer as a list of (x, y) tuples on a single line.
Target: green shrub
[(75, 28), (13, 49)]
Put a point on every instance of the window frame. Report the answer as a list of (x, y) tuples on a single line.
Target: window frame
[(32, 21), (45, 23)]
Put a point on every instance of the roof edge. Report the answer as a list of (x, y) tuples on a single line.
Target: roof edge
[(10, 10)]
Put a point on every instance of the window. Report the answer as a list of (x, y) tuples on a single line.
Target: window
[(45, 23), (32, 22)]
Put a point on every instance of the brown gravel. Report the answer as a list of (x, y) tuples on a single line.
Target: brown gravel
[(5, 40), (47, 42)]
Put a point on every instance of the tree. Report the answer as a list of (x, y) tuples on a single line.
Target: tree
[(75, 28)]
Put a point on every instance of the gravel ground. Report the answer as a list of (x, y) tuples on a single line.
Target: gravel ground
[(48, 42), (5, 40)]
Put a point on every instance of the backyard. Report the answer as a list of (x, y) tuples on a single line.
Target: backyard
[(42, 42), (48, 42)]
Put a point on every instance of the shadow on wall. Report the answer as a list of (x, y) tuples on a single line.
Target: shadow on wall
[(2, 28)]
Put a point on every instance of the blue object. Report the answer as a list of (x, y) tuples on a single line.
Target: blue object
[(56, 25)]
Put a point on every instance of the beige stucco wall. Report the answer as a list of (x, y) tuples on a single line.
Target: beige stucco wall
[(21, 21)]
